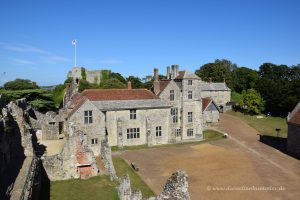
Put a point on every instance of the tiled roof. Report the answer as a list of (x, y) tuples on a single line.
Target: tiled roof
[(76, 102), (205, 103), (186, 75), (294, 116), (118, 94), (130, 104), (205, 86), (162, 85)]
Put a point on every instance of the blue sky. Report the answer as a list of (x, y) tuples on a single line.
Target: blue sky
[(134, 36)]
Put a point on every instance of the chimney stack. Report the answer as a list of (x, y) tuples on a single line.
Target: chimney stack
[(175, 69), (156, 88), (168, 72), (129, 87), (155, 74)]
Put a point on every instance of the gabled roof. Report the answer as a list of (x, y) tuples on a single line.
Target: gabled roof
[(76, 101), (162, 85), (206, 102), (118, 94), (294, 116), (186, 75), (205, 86)]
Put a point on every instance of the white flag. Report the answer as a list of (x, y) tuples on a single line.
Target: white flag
[(74, 42)]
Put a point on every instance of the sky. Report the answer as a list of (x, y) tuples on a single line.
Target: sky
[(132, 37)]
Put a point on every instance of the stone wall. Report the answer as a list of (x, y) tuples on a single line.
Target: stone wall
[(176, 188), (75, 161), (107, 160), (220, 97)]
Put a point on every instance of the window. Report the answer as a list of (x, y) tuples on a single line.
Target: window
[(88, 117), (52, 123), (132, 114), (95, 141), (172, 96), (158, 131), (190, 94), (178, 132), (190, 82), (133, 133), (174, 115), (190, 117), (190, 132)]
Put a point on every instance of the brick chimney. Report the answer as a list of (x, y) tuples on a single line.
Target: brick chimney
[(129, 86), (156, 88)]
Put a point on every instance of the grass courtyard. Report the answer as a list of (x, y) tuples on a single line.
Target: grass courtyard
[(99, 187), (265, 125)]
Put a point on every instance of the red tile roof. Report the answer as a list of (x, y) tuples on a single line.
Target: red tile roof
[(118, 94), (76, 102), (162, 85), (295, 115), (205, 103)]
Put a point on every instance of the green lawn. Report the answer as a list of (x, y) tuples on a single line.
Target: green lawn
[(123, 168), (266, 125), (208, 135), (99, 187)]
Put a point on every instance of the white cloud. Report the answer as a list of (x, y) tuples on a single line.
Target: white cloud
[(23, 62), (22, 48), (54, 59)]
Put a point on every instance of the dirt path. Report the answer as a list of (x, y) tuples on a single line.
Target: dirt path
[(223, 169)]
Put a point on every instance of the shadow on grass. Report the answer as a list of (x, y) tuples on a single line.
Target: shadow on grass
[(278, 143)]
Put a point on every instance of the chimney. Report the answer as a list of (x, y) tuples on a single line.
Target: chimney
[(168, 72), (129, 87), (174, 71), (156, 87)]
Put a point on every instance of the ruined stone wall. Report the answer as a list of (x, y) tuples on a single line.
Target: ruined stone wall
[(75, 154), (107, 160), (176, 188), (94, 130)]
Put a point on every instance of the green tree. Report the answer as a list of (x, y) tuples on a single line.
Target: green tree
[(135, 82), (244, 78), (117, 76), (112, 83), (252, 102), (20, 84), (83, 73), (217, 71)]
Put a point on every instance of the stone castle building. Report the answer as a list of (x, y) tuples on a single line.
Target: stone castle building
[(172, 112), (93, 76), (293, 139)]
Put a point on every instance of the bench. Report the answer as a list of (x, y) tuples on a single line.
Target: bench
[(134, 166)]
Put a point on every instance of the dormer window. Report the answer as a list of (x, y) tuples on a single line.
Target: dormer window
[(190, 82)]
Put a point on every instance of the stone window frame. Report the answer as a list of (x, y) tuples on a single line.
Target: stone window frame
[(174, 115), (190, 82), (190, 132), (178, 132), (172, 95), (88, 117), (158, 131), (190, 116), (94, 141), (52, 123), (190, 94), (133, 133), (132, 114)]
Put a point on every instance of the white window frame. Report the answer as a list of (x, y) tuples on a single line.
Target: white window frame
[(88, 117), (178, 132), (190, 116), (158, 131), (132, 114), (190, 94), (133, 133), (190, 132), (174, 115)]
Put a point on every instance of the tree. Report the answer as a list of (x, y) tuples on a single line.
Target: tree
[(252, 102), (118, 76), (217, 71), (135, 82), (20, 84), (112, 83), (244, 78)]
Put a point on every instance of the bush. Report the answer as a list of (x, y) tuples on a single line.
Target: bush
[(20, 84)]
